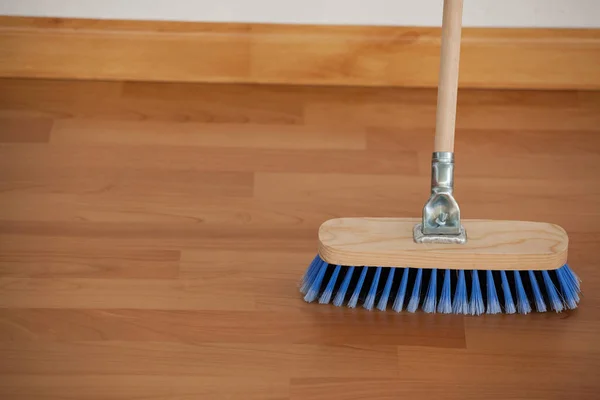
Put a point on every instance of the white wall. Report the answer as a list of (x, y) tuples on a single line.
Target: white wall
[(496, 13)]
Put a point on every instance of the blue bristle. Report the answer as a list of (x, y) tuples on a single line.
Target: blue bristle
[(370, 300), (569, 289), (430, 297), (540, 305), (509, 304), (476, 304), (315, 285), (563, 295), (381, 306), (460, 303), (571, 276), (311, 272), (399, 301), (328, 292), (555, 300), (341, 294), (523, 305), (413, 304), (445, 304), (354, 299), (493, 304)]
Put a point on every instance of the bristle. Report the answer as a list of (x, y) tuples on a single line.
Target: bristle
[(460, 303), (493, 304), (571, 276), (569, 289), (445, 304), (476, 305), (399, 301), (313, 291), (341, 294), (328, 292), (540, 305), (555, 301), (523, 305), (430, 297), (370, 300), (354, 299), (413, 304), (310, 274), (509, 304), (323, 282), (381, 306)]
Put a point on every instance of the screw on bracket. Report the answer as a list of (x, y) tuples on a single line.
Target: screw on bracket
[(441, 219)]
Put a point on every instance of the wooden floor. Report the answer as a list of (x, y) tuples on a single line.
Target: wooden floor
[(152, 237)]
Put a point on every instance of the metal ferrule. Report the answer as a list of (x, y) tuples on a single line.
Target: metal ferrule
[(441, 214), (442, 172)]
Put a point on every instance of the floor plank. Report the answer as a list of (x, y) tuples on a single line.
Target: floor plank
[(135, 133), (197, 327), (25, 130), (156, 387), (497, 374), (261, 361)]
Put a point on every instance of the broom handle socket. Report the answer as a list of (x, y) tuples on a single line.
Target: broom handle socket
[(448, 76), (442, 172), (441, 214)]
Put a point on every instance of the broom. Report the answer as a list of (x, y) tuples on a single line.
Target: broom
[(482, 266)]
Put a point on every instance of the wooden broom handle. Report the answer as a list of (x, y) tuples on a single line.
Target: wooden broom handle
[(448, 80)]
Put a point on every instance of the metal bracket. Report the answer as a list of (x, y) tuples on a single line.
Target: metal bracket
[(441, 214), (420, 237)]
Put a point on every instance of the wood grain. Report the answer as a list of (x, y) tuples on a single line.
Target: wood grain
[(448, 76), (491, 245), (153, 236), (294, 54)]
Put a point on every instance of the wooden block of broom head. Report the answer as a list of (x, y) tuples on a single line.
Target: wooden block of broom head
[(491, 245)]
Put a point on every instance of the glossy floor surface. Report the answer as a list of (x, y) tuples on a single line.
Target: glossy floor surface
[(152, 237)]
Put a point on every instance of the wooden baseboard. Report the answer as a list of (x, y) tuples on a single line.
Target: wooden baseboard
[(294, 54)]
